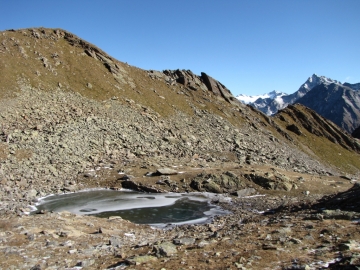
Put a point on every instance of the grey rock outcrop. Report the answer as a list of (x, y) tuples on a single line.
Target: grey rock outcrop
[(194, 82)]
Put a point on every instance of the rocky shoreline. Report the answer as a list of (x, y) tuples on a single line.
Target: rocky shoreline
[(273, 231)]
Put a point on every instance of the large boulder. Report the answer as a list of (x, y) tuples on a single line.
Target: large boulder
[(227, 182), (271, 181)]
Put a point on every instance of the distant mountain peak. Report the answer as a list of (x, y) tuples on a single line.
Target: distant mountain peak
[(273, 101), (251, 99), (316, 80), (330, 98)]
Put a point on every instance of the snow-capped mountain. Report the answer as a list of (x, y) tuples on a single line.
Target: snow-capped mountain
[(335, 101), (315, 80), (251, 99), (271, 103)]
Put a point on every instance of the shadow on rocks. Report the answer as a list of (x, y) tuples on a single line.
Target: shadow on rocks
[(343, 205), (345, 201)]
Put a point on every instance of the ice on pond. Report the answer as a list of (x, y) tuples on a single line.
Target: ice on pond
[(142, 208)]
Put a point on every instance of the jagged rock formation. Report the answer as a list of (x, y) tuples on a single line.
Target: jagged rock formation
[(194, 82)]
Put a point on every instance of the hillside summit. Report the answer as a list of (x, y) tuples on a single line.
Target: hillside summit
[(72, 117)]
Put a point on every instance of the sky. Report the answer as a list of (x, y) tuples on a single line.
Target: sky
[(250, 46)]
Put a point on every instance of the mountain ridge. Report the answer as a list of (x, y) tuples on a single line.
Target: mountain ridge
[(271, 104), (330, 98)]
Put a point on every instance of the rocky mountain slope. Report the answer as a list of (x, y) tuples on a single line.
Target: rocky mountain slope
[(72, 117)]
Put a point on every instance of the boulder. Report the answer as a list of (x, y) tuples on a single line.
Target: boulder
[(137, 260), (166, 171), (184, 241), (271, 181), (166, 249), (115, 241), (217, 183), (245, 192), (213, 187)]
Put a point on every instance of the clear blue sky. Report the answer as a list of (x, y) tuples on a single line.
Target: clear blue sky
[(251, 46)]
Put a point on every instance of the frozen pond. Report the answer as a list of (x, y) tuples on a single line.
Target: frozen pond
[(158, 209)]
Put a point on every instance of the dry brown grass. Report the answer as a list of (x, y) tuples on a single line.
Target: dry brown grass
[(77, 69), (323, 149)]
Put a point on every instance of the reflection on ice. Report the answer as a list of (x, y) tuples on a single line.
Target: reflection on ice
[(155, 209)]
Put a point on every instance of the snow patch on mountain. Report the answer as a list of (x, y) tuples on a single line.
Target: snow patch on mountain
[(251, 99), (315, 80)]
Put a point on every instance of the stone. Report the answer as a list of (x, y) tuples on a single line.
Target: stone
[(86, 263), (338, 214), (349, 245), (195, 184), (217, 88), (31, 194), (203, 243), (184, 241), (90, 173), (271, 181), (115, 241), (213, 187), (284, 186), (269, 247), (129, 184), (166, 249), (166, 171), (138, 260), (245, 192)]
